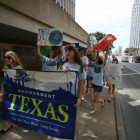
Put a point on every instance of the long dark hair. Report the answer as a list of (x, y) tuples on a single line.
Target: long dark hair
[(77, 58), (51, 50)]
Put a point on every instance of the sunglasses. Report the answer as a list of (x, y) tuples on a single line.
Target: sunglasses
[(8, 57)]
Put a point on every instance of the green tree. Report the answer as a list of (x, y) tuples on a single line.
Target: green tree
[(99, 35), (130, 50)]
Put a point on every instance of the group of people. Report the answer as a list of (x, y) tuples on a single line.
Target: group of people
[(90, 69)]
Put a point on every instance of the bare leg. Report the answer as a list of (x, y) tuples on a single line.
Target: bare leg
[(88, 85), (97, 99), (8, 125), (92, 98), (110, 92), (83, 90), (113, 89)]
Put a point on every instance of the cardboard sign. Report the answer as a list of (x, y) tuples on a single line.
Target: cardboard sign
[(50, 37), (113, 73)]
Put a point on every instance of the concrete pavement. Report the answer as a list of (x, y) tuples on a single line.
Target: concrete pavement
[(106, 124)]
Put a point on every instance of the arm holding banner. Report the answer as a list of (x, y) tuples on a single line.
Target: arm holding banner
[(80, 88), (65, 69)]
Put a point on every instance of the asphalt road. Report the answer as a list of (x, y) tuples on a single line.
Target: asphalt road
[(129, 95)]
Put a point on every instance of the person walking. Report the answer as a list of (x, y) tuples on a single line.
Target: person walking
[(112, 87), (11, 61), (92, 58), (108, 61), (74, 63), (97, 81), (85, 64)]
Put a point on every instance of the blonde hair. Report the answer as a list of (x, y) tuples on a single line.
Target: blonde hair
[(14, 56)]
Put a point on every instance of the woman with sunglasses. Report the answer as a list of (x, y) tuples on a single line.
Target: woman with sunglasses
[(49, 62), (11, 61)]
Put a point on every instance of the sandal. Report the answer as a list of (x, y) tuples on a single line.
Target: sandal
[(2, 131), (92, 112), (102, 105)]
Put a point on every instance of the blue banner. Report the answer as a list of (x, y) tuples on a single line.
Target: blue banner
[(41, 101)]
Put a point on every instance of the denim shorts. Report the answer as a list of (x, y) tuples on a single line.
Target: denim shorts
[(97, 88)]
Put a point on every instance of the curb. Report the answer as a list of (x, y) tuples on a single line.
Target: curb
[(121, 135)]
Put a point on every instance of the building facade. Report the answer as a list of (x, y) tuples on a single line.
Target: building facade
[(135, 25), (120, 51), (68, 6), (20, 21)]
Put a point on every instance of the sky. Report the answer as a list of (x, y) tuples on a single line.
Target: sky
[(106, 16)]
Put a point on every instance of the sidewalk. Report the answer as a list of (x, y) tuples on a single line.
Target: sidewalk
[(100, 126), (106, 124)]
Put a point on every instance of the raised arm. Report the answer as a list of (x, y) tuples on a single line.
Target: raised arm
[(38, 52), (80, 90), (105, 58)]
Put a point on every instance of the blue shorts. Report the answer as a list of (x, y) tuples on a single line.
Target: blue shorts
[(89, 78), (97, 88)]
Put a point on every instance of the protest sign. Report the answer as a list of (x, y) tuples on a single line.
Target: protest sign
[(113, 73), (50, 37), (105, 42), (41, 101), (45, 49)]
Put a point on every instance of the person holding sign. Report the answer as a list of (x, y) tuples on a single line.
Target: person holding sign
[(49, 62), (11, 61), (97, 81), (74, 63), (90, 65), (112, 87)]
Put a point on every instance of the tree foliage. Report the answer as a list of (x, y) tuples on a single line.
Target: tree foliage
[(130, 50), (99, 35)]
